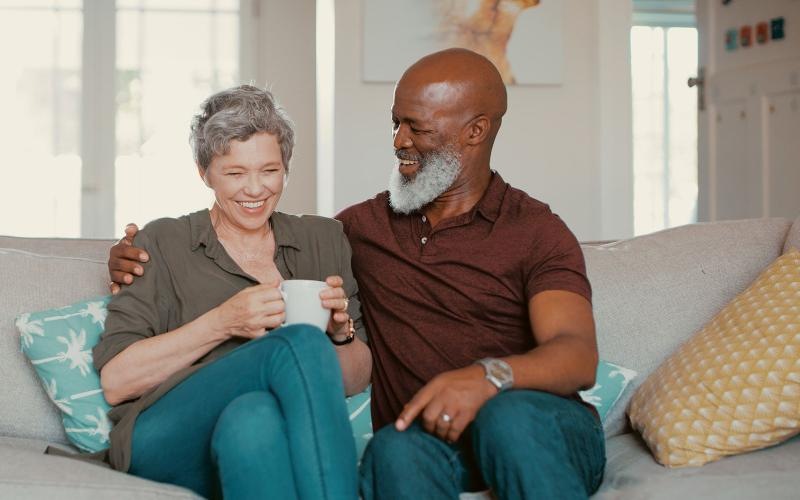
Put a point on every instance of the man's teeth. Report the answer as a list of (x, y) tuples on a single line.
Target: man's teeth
[(406, 162), (251, 204)]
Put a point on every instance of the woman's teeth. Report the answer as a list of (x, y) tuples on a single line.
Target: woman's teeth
[(251, 204)]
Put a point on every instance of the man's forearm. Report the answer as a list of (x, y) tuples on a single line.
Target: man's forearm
[(563, 365)]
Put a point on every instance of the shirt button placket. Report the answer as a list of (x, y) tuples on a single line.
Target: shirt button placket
[(425, 250)]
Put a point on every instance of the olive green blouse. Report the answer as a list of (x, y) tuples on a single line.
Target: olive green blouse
[(190, 273)]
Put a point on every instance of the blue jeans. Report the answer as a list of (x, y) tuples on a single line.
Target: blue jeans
[(522, 444), (267, 420)]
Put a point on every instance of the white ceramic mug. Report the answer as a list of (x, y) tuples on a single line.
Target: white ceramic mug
[(303, 304)]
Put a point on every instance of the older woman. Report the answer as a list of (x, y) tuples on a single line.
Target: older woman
[(209, 391)]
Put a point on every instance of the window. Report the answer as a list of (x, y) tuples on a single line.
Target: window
[(162, 77), (40, 51), (169, 56), (663, 57)]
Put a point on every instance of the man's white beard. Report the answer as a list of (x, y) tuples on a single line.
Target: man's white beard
[(436, 173)]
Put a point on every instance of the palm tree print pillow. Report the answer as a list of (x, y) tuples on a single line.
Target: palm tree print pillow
[(358, 407), (59, 343), (610, 384)]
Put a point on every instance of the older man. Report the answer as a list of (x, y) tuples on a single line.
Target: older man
[(477, 308), (477, 305)]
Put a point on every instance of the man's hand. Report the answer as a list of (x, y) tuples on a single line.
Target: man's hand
[(449, 403), (124, 260)]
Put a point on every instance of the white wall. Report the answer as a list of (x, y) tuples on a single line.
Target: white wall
[(567, 145), (286, 47)]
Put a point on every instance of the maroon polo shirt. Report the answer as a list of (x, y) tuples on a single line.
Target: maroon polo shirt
[(437, 299)]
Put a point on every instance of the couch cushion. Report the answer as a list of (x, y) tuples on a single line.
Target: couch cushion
[(28, 473), (735, 385), (651, 293), (631, 472), (48, 273), (793, 238)]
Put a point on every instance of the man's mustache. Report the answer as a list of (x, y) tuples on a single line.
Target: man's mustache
[(402, 155)]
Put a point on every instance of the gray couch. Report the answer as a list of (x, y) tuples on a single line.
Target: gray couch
[(650, 294)]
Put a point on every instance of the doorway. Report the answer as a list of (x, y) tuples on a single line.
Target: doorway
[(664, 52)]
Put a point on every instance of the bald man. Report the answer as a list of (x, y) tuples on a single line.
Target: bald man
[(477, 305), (477, 308)]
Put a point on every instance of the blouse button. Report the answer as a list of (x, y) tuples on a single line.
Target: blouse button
[(424, 240)]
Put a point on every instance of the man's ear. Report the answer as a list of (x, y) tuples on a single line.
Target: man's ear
[(477, 130)]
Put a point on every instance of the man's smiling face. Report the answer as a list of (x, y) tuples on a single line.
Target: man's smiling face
[(425, 133)]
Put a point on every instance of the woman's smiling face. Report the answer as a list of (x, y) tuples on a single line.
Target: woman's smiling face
[(247, 181)]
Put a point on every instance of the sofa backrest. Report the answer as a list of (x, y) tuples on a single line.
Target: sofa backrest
[(651, 293), (37, 274)]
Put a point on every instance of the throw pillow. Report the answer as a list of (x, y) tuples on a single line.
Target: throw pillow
[(59, 342), (358, 407), (735, 385), (610, 384)]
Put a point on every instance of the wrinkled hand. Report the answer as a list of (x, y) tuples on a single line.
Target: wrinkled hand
[(124, 260), (458, 394), (335, 298), (251, 312)]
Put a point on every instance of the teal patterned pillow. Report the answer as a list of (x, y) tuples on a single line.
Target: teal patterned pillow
[(360, 419), (59, 344), (610, 384)]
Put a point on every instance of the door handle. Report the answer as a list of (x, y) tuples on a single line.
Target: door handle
[(695, 81), (699, 81)]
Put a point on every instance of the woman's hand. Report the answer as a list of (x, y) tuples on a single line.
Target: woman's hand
[(251, 312), (335, 299)]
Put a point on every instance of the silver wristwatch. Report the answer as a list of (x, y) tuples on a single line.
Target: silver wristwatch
[(498, 372)]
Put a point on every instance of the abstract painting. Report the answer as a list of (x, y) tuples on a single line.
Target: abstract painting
[(523, 38)]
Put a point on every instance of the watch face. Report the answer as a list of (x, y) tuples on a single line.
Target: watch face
[(499, 372)]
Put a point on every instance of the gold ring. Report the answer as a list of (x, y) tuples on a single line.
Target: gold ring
[(346, 304)]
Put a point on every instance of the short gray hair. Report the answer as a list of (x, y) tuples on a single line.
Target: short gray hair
[(236, 114)]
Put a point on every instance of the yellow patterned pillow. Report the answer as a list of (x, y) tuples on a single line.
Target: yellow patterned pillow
[(735, 385)]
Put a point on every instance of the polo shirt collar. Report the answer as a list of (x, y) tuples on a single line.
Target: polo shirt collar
[(492, 200)]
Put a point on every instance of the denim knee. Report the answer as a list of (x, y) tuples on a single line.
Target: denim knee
[(249, 425), (388, 445), (305, 336), (393, 457), (406, 450), (500, 421)]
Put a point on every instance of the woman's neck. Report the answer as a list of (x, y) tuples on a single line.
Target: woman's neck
[(238, 236)]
